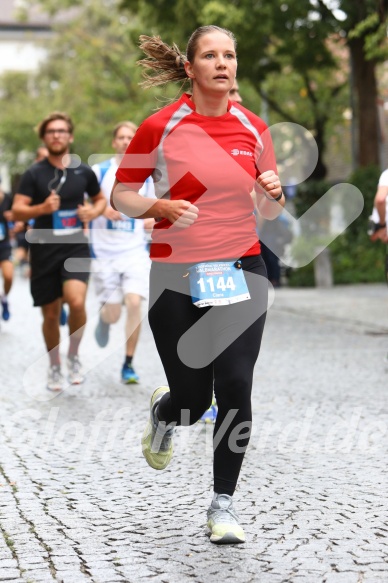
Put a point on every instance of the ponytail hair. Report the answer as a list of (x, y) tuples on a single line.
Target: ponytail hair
[(167, 62)]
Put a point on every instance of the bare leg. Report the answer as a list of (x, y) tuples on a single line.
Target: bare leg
[(74, 294), (7, 271), (110, 313), (132, 324), (50, 329)]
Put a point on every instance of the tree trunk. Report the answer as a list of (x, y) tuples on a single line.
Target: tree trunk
[(320, 170), (366, 114)]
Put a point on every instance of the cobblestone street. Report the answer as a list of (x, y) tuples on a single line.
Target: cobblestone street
[(79, 504)]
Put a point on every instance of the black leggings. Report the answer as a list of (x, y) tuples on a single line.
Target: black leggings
[(218, 353)]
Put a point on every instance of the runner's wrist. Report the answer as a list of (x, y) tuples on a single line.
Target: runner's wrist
[(160, 209), (375, 227), (278, 198), (274, 198)]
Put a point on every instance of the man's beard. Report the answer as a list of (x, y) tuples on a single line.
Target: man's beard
[(57, 150)]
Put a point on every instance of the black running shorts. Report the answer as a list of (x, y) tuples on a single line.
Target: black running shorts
[(48, 270), (5, 253)]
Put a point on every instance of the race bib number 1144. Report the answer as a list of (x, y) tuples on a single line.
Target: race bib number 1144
[(217, 283)]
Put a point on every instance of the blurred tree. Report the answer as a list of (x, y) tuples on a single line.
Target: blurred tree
[(363, 24), (291, 52), (18, 116), (287, 66), (90, 73), (294, 37)]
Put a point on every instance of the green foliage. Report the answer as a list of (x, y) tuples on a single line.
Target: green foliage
[(362, 28), (90, 73), (19, 114), (302, 277), (360, 262), (355, 259), (283, 50), (309, 192), (374, 33), (366, 180), (293, 53), (283, 54), (231, 15)]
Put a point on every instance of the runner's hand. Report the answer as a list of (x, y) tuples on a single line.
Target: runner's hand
[(181, 213), (149, 225), (270, 182), (52, 203), (86, 212), (18, 227), (113, 215), (8, 215), (380, 235)]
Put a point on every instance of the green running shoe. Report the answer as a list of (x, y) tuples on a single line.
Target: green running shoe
[(222, 521), (156, 441)]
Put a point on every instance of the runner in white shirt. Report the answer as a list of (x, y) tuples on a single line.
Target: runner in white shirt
[(380, 210), (379, 229), (121, 264)]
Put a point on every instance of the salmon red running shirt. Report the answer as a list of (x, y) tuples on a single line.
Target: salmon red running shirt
[(211, 162)]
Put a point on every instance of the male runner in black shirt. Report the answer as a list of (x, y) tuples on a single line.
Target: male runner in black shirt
[(52, 193)]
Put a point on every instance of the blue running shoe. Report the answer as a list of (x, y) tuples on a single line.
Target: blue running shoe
[(4, 305), (210, 415), (101, 333), (63, 317), (128, 375)]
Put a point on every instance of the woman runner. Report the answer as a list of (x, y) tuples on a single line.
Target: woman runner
[(208, 285)]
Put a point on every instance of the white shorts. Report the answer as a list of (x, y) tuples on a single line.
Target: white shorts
[(116, 277)]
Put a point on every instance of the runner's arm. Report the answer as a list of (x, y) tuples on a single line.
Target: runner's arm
[(134, 205), (89, 212), (268, 188), (380, 203), (23, 210)]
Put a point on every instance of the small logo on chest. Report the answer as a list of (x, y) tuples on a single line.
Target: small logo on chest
[(237, 152)]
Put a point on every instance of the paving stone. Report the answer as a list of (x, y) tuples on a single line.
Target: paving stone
[(71, 576), (341, 578), (7, 564), (38, 576), (10, 575)]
